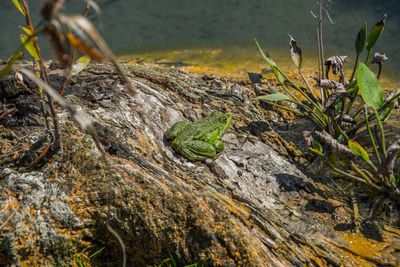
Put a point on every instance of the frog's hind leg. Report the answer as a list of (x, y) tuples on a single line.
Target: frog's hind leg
[(173, 132), (198, 150)]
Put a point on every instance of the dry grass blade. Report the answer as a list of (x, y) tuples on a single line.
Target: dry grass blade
[(84, 122), (83, 28)]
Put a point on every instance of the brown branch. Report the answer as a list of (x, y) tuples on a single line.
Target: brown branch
[(44, 70)]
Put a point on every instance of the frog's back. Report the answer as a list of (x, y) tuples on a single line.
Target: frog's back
[(198, 128)]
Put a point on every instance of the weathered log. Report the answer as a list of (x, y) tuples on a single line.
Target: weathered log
[(248, 207)]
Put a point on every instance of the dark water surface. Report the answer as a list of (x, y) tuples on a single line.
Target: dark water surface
[(131, 26)]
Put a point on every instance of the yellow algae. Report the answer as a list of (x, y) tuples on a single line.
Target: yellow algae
[(236, 61)]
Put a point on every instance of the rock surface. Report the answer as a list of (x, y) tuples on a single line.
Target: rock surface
[(249, 207)]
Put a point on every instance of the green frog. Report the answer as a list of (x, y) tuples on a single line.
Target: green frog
[(200, 139)]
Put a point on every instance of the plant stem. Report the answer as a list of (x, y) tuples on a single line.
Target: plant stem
[(308, 86), (320, 41), (348, 175), (285, 108), (298, 102), (306, 96), (43, 68), (382, 131), (355, 68), (359, 125), (372, 139), (363, 175), (321, 89), (369, 54)]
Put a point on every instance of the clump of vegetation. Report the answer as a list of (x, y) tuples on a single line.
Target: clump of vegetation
[(170, 262), (68, 35), (338, 117), (82, 259)]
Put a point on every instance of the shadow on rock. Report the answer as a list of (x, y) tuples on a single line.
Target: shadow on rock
[(290, 183), (320, 206)]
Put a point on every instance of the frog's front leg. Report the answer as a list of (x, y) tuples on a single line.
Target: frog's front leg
[(197, 150)]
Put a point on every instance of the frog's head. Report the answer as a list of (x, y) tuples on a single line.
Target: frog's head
[(224, 119)]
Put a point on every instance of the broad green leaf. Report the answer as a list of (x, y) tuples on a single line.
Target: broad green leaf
[(361, 38), (375, 33), (370, 89), (19, 6), (275, 97), (358, 150), (316, 151), (295, 52), (317, 145), (29, 46), (270, 61), (79, 65)]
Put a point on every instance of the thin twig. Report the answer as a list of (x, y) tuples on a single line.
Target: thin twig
[(85, 13), (8, 219), (44, 70), (121, 243)]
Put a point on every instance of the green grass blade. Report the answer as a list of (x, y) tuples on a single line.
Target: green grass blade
[(20, 7), (97, 252), (15, 57)]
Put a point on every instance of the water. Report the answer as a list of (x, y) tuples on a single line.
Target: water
[(137, 26)]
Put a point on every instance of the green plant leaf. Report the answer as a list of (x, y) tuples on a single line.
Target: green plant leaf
[(384, 115), (270, 61), (358, 150), (371, 90), (28, 43), (316, 151), (278, 75), (17, 56), (317, 145), (27, 31), (80, 65), (275, 97), (375, 33), (19, 6), (361, 38), (273, 65)]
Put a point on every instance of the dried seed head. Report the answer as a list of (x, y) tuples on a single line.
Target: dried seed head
[(379, 58), (336, 62), (57, 44), (19, 78), (307, 137)]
